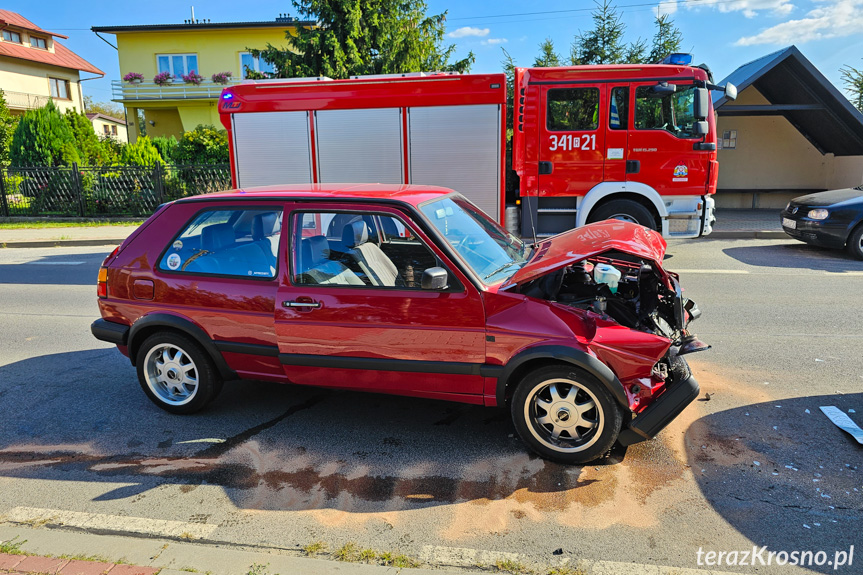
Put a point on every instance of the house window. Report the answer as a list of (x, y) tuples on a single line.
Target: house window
[(106, 129), (38, 42), (59, 88), (178, 64), (252, 63), (10, 36), (113, 130)]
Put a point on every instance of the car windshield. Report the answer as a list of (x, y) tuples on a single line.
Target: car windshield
[(489, 250)]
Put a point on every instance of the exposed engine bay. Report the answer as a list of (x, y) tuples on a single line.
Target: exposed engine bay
[(627, 289)]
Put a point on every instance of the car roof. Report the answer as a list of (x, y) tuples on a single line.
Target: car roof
[(412, 194)]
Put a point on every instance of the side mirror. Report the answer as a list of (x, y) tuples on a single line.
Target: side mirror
[(661, 90), (731, 91), (702, 128), (701, 104), (434, 279)]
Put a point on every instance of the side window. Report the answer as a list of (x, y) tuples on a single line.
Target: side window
[(362, 250), (618, 113), (572, 109), (231, 242), (673, 113)]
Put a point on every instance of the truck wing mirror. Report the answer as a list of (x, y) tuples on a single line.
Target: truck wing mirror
[(702, 128), (662, 89), (434, 279), (730, 91), (701, 104)]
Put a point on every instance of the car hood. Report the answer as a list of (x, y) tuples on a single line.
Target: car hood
[(587, 241), (829, 198)]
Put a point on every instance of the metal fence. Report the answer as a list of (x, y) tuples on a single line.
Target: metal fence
[(104, 190)]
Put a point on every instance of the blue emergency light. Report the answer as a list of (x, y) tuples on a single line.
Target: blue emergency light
[(227, 96), (678, 59)]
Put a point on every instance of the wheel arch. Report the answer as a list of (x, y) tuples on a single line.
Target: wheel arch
[(535, 357), (150, 324), (635, 191)]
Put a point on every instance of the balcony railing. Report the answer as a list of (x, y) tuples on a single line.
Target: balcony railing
[(177, 90), (25, 101)]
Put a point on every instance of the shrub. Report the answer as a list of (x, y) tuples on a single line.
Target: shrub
[(91, 151), (221, 77), (192, 78), (132, 76), (43, 137), (203, 145), (167, 147), (7, 128), (141, 153), (163, 78)]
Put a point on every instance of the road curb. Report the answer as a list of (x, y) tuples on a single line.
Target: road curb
[(748, 235), (61, 243)]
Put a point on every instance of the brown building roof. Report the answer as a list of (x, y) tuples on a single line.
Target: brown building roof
[(62, 56), (105, 117)]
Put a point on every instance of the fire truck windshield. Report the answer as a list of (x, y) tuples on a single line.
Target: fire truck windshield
[(674, 112), (489, 250)]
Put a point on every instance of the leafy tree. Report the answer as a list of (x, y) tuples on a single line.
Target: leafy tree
[(355, 37), (547, 56), (666, 40), (113, 149), (853, 80), (7, 128), (203, 145), (43, 137), (91, 152), (105, 108), (141, 153), (636, 53), (167, 147)]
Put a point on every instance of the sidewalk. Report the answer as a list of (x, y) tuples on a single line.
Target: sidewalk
[(730, 224)]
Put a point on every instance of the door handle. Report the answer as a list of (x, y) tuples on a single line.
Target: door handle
[(545, 168), (302, 304), (633, 166)]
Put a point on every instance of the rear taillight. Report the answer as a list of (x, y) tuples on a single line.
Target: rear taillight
[(102, 281)]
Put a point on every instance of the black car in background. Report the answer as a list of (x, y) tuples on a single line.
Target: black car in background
[(831, 219)]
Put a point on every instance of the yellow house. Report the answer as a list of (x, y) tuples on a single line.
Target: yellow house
[(175, 50), (35, 67)]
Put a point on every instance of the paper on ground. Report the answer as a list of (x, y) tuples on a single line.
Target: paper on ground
[(843, 422)]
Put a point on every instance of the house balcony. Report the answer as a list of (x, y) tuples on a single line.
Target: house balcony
[(207, 90), (25, 101)]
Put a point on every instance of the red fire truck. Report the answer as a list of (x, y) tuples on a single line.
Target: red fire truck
[(589, 142)]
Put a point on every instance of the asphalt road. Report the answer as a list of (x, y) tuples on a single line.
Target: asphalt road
[(757, 464)]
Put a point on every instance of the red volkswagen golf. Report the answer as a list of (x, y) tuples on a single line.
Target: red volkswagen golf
[(409, 290)]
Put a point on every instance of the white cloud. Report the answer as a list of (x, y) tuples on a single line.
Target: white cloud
[(832, 19), (750, 8), (493, 41), (465, 31), (665, 7)]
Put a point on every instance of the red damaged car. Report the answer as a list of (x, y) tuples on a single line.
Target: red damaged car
[(409, 290)]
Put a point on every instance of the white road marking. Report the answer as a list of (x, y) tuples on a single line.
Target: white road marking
[(203, 440), (55, 263), (109, 523), (710, 271)]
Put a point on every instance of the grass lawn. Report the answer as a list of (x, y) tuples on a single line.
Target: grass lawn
[(39, 224)]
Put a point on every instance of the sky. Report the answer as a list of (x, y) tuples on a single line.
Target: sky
[(724, 34)]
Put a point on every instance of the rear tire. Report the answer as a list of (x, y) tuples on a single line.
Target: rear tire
[(625, 210), (855, 243), (176, 373), (566, 415)]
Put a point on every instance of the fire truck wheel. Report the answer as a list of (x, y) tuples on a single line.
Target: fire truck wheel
[(626, 210)]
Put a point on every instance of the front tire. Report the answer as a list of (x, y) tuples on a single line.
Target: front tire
[(855, 243), (566, 415), (176, 374), (625, 210)]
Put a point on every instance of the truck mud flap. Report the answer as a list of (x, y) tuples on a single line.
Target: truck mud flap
[(661, 412)]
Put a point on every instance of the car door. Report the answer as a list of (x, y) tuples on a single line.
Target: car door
[(572, 139), (343, 321)]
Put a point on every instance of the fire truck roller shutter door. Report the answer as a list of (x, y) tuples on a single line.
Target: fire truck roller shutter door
[(458, 147), (272, 148), (359, 145)]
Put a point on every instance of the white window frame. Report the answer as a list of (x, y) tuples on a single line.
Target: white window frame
[(185, 56), (12, 33), (256, 67)]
